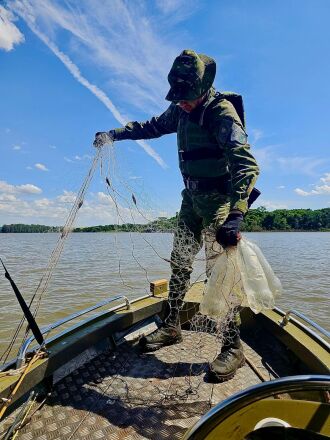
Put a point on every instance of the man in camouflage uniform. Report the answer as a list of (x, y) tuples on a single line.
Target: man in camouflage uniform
[(219, 173)]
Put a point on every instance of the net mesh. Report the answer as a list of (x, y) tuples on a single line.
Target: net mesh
[(225, 272), (193, 258)]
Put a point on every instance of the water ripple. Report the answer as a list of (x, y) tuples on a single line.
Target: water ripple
[(88, 271)]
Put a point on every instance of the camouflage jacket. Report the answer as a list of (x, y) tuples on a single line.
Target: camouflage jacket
[(215, 133)]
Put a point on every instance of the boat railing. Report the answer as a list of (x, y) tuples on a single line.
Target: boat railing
[(24, 347), (252, 394), (287, 316)]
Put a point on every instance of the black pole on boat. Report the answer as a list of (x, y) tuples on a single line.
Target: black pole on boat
[(27, 313)]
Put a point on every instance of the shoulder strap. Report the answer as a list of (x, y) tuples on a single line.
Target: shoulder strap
[(237, 101), (234, 98)]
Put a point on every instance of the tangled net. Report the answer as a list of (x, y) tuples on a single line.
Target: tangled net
[(188, 251), (146, 229)]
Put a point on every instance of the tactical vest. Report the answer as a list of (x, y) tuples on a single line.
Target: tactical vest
[(200, 155)]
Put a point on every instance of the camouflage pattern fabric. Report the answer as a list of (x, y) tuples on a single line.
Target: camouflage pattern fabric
[(214, 125), (212, 143), (191, 76), (196, 215)]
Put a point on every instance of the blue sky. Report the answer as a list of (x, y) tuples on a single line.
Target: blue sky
[(68, 70)]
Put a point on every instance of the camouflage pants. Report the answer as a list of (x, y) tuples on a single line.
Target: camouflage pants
[(196, 223)]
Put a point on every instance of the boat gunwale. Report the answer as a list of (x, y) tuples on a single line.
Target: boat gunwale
[(263, 390), (74, 328), (317, 337), (117, 319), (80, 341)]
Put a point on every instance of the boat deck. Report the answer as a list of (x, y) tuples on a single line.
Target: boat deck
[(126, 394)]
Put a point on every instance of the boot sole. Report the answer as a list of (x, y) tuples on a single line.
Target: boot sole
[(224, 377), (157, 346)]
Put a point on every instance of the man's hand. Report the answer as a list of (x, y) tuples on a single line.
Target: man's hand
[(103, 138), (228, 234)]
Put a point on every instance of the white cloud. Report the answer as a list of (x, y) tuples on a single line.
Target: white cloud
[(264, 156), (98, 208), (177, 10), (85, 156), (326, 178), (89, 27), (17, 147), (42, 203), (78, 158), (7, 198), (9, 33), (280, 187), (104, 198), (268, 159), (41, 167), (41, 211), (6, 187), (66, 197), (300, 164), (317, 188), (27, 188), (148, 53), (256, 134), (271, 205), (322, 189), (301, 192)]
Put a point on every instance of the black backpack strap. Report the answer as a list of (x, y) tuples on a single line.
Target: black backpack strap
[(234, 98), (201, 121), (200, 153), (237, 101)]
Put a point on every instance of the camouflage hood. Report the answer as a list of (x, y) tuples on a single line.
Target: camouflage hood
[(191, 76)]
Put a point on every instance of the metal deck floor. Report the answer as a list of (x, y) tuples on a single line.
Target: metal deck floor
[(130, 395)]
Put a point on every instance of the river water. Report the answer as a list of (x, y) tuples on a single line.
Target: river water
[(95, 266)]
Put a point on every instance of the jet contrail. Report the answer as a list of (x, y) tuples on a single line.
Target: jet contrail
[(75, 72)]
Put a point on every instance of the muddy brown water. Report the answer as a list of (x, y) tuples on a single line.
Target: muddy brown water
[(95, 266)]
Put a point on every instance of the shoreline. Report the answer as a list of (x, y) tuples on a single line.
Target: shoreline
[(157, 232)]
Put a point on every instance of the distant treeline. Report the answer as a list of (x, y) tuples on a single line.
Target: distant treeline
[(287, 220), (29, 228), (162, 224), (256, 220)]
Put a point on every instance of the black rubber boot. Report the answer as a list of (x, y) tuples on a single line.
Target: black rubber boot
[(167, 334), (230, 359)]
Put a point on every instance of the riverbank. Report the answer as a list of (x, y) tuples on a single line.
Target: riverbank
[(256, 220)]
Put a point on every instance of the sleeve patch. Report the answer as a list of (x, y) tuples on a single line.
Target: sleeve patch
[(238, 135)]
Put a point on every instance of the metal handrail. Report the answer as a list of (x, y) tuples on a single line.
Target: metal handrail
[(252, 394), (22, 351), (300, 315)]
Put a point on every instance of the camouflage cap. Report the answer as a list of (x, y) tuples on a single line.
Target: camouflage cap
[(191, 76)]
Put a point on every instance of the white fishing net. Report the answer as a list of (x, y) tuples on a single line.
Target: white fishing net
[(241, 276), (190, 256), (230, 278)]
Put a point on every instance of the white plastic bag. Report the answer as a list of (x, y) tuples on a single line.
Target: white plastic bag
[(260, 284), (241, 276), (223, 288), (273, 282)]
